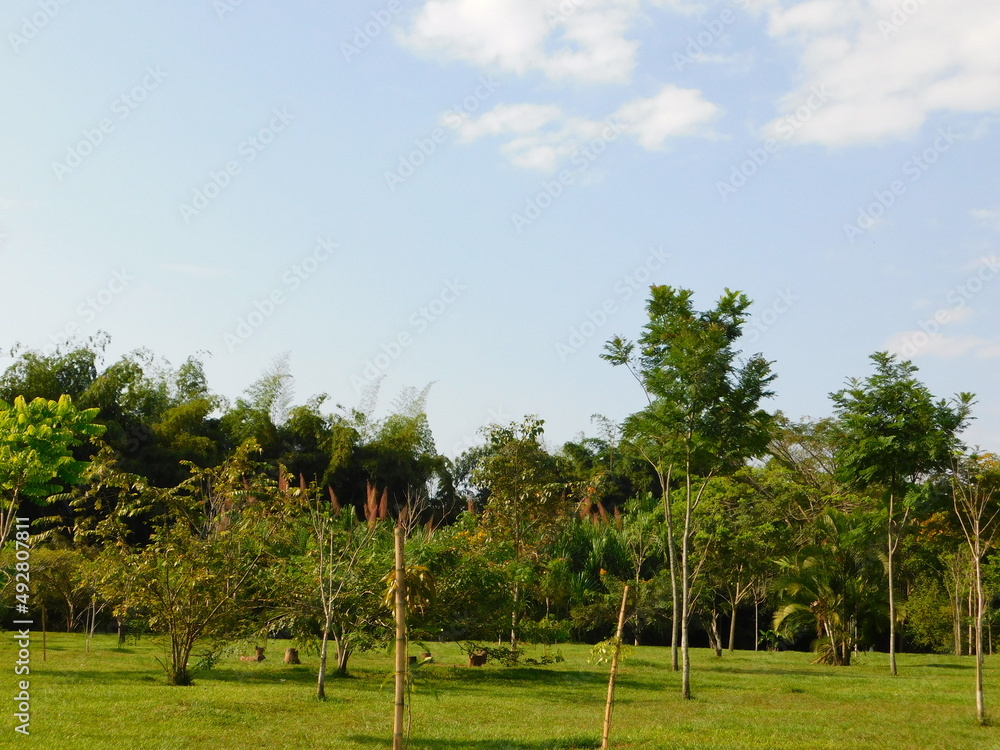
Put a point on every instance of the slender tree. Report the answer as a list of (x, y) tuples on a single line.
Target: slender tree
[(975, 486), (895, 432), (703, 411)]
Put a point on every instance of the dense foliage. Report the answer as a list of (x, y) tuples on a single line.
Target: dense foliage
[(159, 506)]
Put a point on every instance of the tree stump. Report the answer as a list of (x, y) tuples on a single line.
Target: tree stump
[(258, 656), (292, 656), (477, 658)]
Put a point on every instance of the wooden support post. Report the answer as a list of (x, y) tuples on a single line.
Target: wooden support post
[(614, 673), (401, 666)]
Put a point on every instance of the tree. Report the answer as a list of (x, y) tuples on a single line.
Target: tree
[(703, 414), (36, 456), (975, 483), (202, 573), (329, 583), (35, 374), (745, 534), (526, 506), (641, 538), (895, 432), (831, 586)]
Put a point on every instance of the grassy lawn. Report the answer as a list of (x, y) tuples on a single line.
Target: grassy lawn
[(117, 699)]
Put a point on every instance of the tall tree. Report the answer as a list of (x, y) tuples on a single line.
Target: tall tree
[(703, 406), (976, 484), (895, 432)]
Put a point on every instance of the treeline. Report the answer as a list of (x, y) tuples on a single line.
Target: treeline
[(163, 507)]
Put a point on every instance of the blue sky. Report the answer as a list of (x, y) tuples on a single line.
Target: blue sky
[(478, 193)]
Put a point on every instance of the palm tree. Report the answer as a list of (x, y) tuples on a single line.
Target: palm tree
[(832, 586)]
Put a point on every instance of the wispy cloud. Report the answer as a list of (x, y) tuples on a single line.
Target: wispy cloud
[(890, 65), (543, 136), (578, 40)]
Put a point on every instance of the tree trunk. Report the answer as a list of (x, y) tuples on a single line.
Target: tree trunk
[(401, 665), (672, 560), (44, 634), (614, 673), (956, 622), (980, 607), (343, 654), (892, 596), (732, 628), (321, 680), (713, 635), (972, 620), (180, 652), (686, 591), (756, 622), (514, 618)]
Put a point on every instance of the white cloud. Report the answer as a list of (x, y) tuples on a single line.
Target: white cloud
[(509, 118), (912, 344), (989, 217), (672, 112), (583, 40), (932, 340), (889, 67), (543, 136)]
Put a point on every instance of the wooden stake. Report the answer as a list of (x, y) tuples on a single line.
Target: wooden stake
[(401, 666), (614, 673)]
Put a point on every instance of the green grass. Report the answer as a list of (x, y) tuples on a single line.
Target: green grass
[(117, 699)]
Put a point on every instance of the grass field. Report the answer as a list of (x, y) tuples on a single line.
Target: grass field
[(118, 700)]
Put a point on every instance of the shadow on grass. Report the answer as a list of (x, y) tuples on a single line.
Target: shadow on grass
[(951, 666), (779, 672), (562, 743)]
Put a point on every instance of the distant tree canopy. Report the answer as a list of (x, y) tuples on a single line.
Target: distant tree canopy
[(151, 496)]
